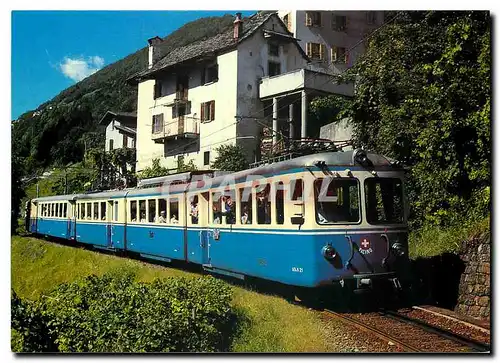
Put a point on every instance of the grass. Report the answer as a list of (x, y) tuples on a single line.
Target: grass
[(433, 240), (272, 324)]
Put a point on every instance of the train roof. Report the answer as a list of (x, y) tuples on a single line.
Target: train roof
[(335, 159)]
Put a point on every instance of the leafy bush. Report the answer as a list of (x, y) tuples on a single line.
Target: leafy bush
[(113, 313), (153, 171), (230, 158)]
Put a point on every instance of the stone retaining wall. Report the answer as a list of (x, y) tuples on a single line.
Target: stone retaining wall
[(474, 289)]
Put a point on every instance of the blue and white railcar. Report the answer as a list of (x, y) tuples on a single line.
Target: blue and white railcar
[(309, 221)]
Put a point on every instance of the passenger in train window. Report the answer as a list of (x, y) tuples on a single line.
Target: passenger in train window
[(246, 218), (246, 205), (230, 210), (143, 217), (194, 210), (162, 207), (263, 207), (133, 211), (174, 210), (162, 218), (103, 211), (216, 208), (142, 210)]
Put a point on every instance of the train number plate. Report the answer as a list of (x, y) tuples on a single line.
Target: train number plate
[(297, 269)]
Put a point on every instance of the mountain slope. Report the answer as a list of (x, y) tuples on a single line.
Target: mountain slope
[(59, 130)]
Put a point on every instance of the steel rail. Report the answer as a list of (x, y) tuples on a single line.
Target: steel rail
[(374, 331), (473, 344)]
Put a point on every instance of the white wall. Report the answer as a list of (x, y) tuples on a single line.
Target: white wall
[(253, 57), (212, 134), (114, 134), (357, 28)]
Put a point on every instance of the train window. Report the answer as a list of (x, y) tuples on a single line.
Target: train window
[(115, 214), (142, 211), (230, 206), (193, 209), (103, 211), (52, 209), (337, 200), (65, 210), (95, 211), (174, 211), (81, 209), (279, 203), (57, 210), (216, 208), (245, 206), (263, 204), (162, 208), (384, 200), (133, 211), (152, 210), (296, 190), (88, 211)]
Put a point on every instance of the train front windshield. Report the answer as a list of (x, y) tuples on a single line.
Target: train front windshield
[(384, 201)]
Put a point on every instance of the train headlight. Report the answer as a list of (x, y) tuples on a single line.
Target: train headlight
[(398, 249), (329, 253)]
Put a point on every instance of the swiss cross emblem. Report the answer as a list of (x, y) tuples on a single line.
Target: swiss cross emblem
[(365, 244)]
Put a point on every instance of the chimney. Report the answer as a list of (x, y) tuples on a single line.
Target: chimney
[(154, 51), (238, 27)]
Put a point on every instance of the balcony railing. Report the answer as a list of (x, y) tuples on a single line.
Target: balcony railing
[(180, 127)]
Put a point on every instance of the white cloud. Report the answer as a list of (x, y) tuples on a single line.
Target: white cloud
[(79, 68)]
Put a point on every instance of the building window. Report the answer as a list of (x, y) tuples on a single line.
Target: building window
[(315, 51), (157, 123), (339, 22), (273, 49), (179, 110), (371, 17), (206, 158), (274, 68), (110, 144), (157, 90), (313, 18), (210, 74), (125, 141), (339, 55), (288, 22), (207, 111)]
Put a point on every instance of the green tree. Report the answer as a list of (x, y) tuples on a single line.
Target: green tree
[(17, 192), (153, 171), (230, 158), (423, 97)]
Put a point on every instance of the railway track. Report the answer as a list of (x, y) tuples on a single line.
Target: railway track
[(472, 344), (409, 335), (373, 330)]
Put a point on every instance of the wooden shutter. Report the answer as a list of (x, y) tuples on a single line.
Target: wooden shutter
[(334, 54), (308, 19), (212, 110), (322, 52), (202, 112), (309, 50)]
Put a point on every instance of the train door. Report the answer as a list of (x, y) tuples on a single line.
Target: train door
[(203, 207), (69, 212), (110, 227)]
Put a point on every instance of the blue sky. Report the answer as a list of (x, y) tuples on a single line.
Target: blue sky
[(51, 50)]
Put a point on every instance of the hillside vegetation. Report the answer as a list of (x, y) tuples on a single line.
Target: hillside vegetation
[(60, 130)]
